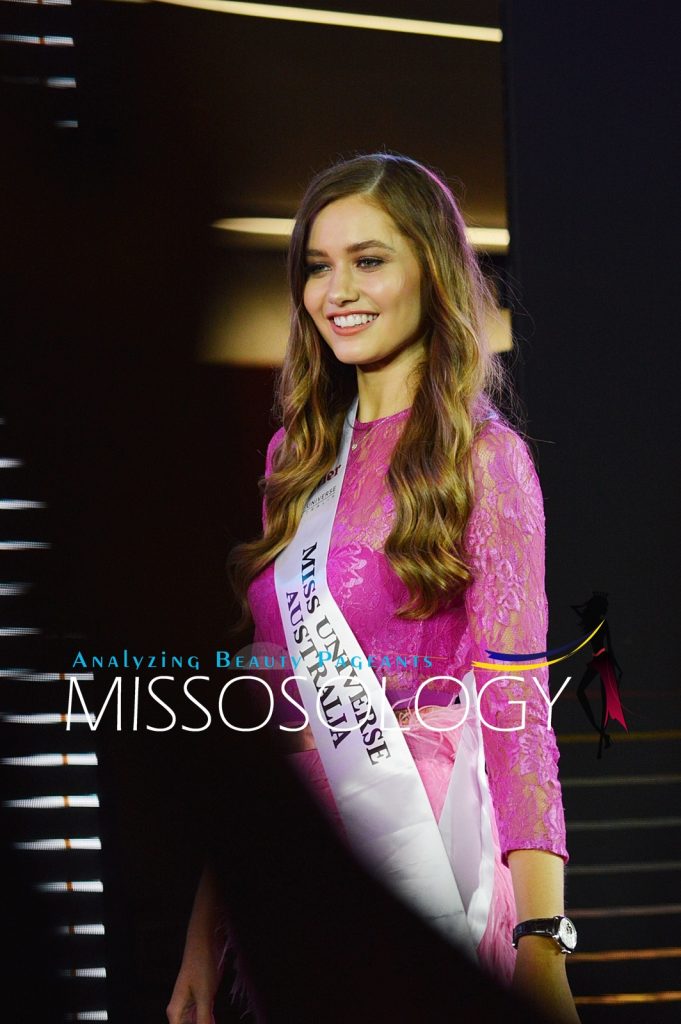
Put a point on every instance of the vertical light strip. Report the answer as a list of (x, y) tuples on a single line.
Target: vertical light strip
[(77, 854)]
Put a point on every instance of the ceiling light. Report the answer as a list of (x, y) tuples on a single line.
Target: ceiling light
[(280, 228), (345, 19)]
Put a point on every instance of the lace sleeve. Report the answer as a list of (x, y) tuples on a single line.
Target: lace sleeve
[(507, 613)]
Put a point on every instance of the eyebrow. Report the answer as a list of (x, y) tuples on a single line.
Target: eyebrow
[(371, 243)]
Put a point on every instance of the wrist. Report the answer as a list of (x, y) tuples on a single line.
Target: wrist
[(537, 952)]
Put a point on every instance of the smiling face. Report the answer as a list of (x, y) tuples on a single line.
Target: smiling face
[(363, 285)]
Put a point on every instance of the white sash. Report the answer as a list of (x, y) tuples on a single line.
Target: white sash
[(371, 772)]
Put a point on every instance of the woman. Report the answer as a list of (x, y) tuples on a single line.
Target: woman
[(433, 520)]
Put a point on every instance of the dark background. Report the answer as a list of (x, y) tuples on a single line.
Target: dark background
[(148, 458)]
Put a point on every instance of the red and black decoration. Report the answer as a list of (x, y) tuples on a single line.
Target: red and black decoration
[(603, 664)]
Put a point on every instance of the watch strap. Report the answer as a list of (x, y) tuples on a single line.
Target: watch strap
[(545, 926)]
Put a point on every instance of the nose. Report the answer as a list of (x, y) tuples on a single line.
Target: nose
[(342, 287)]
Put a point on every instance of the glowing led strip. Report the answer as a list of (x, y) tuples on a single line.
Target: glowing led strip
[(275, 227), (49, 760), (91, 843), (87, 1015), (53, 82), (10, 463), (281, 227), (13, 589), (24, 545), (624, 867), (629, 997), (665, 953), (343, 19), (83, 972), (81, 929), (50, 802), (14, 504), (91, 885), (645, 910), (490, 239), (605, 824), (50, 718), (27, 674), (13, 37)]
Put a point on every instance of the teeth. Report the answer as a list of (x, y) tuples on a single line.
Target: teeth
[(354, 319)]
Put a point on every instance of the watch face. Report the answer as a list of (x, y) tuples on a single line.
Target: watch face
[(567, 933)]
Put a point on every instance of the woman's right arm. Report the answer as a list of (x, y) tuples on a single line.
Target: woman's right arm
[(201, 968)]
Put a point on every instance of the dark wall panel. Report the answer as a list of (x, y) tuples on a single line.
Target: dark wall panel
[(593, 185)]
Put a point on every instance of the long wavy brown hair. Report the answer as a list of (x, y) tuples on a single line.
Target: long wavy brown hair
[(430, 472)]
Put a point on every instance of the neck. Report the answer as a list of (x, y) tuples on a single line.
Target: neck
[(385, 390)]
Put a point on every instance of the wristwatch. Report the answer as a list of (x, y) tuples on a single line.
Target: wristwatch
[(560, 929)]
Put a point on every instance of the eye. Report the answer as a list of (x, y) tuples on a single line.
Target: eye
[(370, 262), (312, 269)]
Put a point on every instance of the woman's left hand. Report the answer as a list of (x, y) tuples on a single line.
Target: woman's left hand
[(540, 977)]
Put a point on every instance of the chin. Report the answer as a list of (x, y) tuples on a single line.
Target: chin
[(348, 359), (346, 353)]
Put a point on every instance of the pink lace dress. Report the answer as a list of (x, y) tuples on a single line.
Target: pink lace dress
[(504, 610)]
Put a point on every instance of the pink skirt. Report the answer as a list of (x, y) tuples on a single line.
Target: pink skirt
[(434, 754)]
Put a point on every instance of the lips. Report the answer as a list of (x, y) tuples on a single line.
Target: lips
[(345, 324)]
